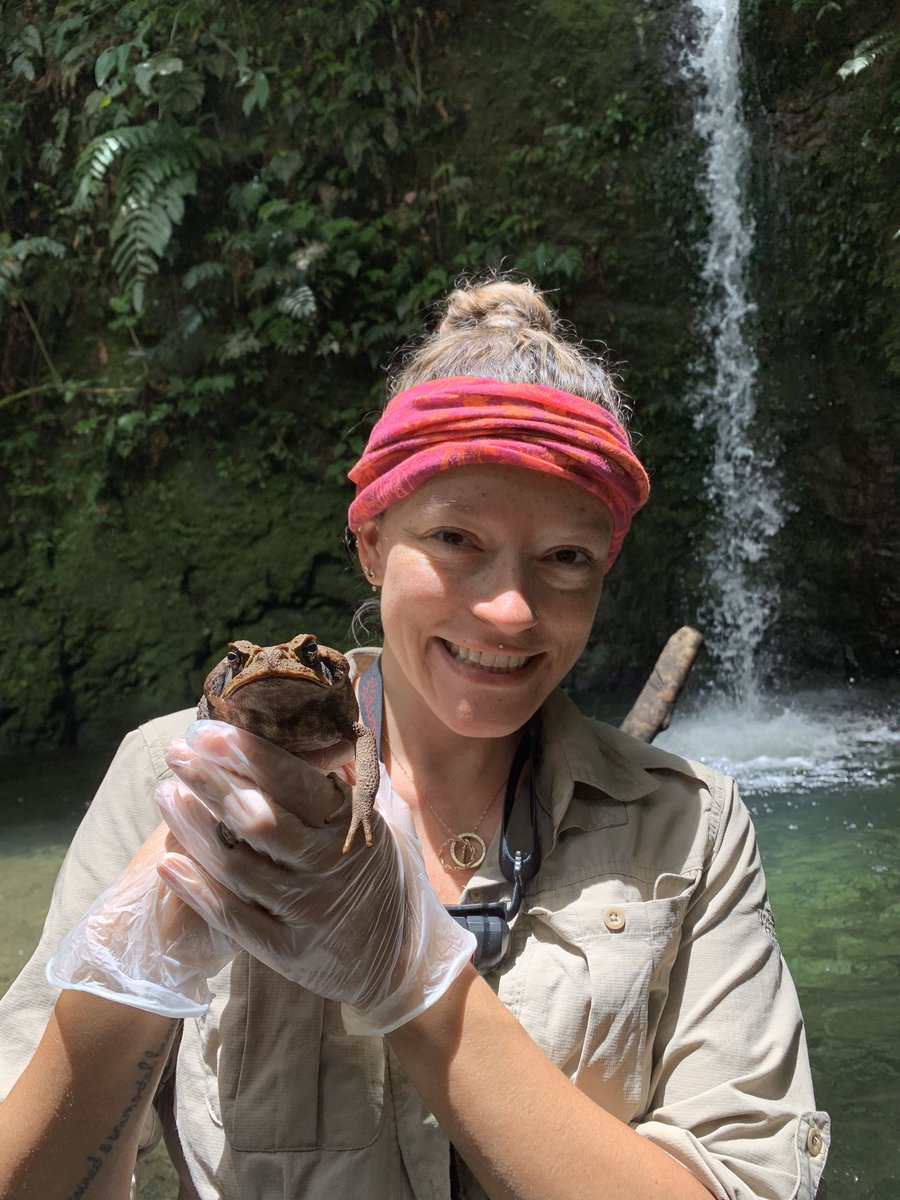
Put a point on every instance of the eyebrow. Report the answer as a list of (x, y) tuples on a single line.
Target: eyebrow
[(441, 508)]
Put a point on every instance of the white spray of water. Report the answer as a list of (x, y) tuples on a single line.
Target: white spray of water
[(811, 741), (744, 495)]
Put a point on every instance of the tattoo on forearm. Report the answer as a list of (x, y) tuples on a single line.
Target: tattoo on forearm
[(147, 1066)]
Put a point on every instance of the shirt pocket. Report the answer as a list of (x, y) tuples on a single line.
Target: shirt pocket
[(589, 975), (282, 1073)]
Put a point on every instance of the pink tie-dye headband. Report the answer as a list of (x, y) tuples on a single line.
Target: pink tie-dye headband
[(463, 421)]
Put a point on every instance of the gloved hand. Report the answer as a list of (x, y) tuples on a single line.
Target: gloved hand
[(139, 944), (364, 928)]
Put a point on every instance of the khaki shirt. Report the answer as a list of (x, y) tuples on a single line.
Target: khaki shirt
[(643, 962)]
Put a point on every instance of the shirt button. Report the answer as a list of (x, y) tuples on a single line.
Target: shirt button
[(814, 1141), (613, 919)]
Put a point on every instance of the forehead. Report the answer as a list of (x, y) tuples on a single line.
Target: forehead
[(505, 492)]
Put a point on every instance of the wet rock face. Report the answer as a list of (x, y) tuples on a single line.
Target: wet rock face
[(828, 329)]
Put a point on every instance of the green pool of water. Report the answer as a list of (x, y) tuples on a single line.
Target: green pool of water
[(829, 834), (833, 865)]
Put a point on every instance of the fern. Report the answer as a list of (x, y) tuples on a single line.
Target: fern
[(13, 256), (868, 52), (239, 344), (157, 168), (299, 303), (99, 155), (142, 232), (205, 272), (276, 273), (52, 149)]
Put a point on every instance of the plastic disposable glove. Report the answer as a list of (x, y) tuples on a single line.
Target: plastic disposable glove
[(139, 944), (364, 928)]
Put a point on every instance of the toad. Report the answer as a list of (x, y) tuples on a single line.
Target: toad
[(299, 696)]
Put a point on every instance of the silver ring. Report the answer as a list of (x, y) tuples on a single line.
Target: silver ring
[(225, 836)]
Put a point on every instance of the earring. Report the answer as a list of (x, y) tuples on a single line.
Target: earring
[(370, 574)]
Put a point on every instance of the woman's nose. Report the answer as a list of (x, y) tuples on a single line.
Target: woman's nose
[(507, 601)]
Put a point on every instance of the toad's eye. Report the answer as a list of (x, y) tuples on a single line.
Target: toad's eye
[(309, 652), (234, 658)]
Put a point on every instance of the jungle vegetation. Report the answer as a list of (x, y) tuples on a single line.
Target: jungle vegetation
[(218, 222)]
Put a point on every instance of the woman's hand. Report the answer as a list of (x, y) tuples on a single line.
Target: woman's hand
[(139, 944), (364, 928)]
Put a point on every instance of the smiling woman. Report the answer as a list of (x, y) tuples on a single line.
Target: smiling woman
[(477, 559), (554, 964)]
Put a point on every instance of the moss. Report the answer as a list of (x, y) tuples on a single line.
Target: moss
[(139, 601)]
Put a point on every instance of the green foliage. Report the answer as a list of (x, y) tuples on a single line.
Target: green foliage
[(868, 51), (831, 206), (215, 229)]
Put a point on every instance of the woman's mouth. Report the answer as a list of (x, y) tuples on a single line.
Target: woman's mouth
[(498, 663)]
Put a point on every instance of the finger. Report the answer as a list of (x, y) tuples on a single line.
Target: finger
[(339, 757), (258, 877), (252, 817), (230, 795), (276, 772), (245, 923), (196, 829), (331, 758), (191, 824), (318, 800)]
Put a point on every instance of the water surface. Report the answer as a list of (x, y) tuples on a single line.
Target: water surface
[(821, 776)]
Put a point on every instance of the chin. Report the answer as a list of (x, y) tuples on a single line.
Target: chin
[(487, 718)]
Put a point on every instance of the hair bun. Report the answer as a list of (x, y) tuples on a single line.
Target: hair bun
[(500, 304), (504, 329)]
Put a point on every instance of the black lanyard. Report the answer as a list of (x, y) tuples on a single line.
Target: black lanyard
[(488, 922)]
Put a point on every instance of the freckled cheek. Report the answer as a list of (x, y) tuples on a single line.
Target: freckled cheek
[(573, 617), (417, 580), (412, 597)]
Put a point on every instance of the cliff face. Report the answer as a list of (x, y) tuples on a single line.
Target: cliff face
[(547, 137), (588, 103), (826, 279)]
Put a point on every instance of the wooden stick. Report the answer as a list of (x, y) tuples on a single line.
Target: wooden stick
[(652, 711)]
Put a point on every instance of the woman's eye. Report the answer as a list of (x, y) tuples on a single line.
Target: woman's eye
[(450, 537), (572, 556)]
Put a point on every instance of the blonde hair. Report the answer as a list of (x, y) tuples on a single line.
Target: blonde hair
[(502, 329)]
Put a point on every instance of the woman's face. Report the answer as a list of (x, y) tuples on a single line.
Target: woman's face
[(476, 559)]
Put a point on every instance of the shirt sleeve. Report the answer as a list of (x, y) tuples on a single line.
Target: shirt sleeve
[(120, 818), (731, 1093)]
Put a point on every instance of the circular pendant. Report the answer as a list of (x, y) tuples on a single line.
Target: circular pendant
[(467, 851)]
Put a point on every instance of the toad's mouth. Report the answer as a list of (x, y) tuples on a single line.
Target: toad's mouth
[(499, 663), (273, 677)]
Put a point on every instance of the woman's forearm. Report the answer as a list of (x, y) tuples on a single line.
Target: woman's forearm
[(523, 1128), (70, 1126)]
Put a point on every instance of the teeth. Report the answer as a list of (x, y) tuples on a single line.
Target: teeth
[(490, 662)]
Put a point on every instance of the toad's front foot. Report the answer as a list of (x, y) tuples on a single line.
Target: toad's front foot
[(362, 813)]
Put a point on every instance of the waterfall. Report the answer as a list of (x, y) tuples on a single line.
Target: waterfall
[(745, 501)]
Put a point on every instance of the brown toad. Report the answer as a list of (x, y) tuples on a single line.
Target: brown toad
[(299, 696)]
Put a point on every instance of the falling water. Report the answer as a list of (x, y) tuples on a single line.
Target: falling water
[(743, 491)]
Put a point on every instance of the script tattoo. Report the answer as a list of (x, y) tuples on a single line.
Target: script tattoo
[(146, 1066)]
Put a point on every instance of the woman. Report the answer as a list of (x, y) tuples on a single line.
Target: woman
[(640, 1037)]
